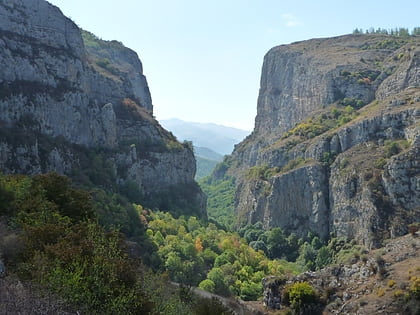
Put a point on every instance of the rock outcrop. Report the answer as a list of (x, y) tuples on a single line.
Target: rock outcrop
[(81, 106), (378, 282), (336, 139)]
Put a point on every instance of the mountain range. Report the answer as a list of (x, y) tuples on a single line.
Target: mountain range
[(211, 141), (218, 138)]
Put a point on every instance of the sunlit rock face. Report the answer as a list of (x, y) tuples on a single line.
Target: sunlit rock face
[(354, 176), (68, 99)]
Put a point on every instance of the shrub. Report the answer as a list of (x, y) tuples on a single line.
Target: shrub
[(263, 172), (380, 163), (364, 258), (413, 228), (380, 292), (299, 295), (379, 260), (250, 291), (352, 102), (391, 149), (391, 283), (363, 303), (415, 287), (398, 293), (207, 285)]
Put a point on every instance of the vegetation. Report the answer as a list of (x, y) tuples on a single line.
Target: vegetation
[(310, 252), (65, 250), (92, 41), (338, 116), (413, 228), (264, 172), (106, 64), (220, 200), (52, 238), (393, 147), (362, 77), (61, 246), (204, 167), (299, 296), (398, 31), (198, 254)]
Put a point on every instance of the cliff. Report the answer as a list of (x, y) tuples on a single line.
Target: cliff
[(382, 281), (335, 147), (81, 106)]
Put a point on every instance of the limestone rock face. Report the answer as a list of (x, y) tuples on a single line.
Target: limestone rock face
[(354, 175), (69, 99), (295, 201)]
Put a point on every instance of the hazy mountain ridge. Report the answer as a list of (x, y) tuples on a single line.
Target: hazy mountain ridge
[(206, 161), (219, 138)]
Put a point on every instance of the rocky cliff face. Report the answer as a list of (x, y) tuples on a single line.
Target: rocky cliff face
[(370, 285), (81, 106), (336, 139)]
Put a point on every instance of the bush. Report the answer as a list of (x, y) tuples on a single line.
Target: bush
[(392, 149), (300, 295), (380, 292), (250, 291), (413, 228), (352, 102), (415, 287), (207, 285)]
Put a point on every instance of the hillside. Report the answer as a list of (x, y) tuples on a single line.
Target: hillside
[(335, 149), (80, 106), (382, 281), (206, 161)]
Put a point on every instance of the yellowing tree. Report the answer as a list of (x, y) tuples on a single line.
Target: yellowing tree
[(198, 245)]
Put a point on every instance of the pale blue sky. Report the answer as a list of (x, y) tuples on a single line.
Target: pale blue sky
[(203, 59)]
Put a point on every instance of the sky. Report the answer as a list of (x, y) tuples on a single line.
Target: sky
[(203, 59)]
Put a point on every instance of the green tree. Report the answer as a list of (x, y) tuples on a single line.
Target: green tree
[(220, 287), (250, 291), (416, 31), (323, 257), (307, 256), (277, 244), (293, 242), (207, 285)]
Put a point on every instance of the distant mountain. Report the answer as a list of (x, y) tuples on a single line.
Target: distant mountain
[(218, 138), (204, 167), (206, 160), (207, 153)]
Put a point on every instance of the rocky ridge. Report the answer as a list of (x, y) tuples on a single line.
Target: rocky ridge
[(375, 283), (81, 106), (324, 104)]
